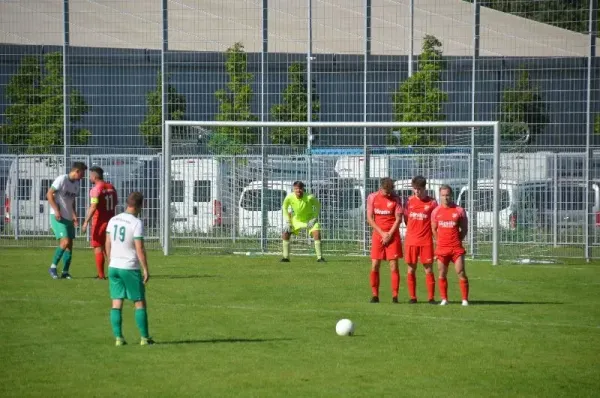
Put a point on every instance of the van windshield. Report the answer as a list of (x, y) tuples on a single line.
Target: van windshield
[(273, 199), (484, 200)]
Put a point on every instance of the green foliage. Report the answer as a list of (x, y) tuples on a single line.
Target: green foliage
[(597, 125), (294, 108), (35, 114), (234, 105), (151, 127), (419, 98), (567, 14), (522, 110)]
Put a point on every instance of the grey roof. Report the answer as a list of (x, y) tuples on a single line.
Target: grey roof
[(338, 26)]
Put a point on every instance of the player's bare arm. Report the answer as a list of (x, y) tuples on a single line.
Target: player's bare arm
[(107, 245), (140, 250), (434, 228), (52, 202), (395, 227), (74, 212), (88, 217), (464, 227)]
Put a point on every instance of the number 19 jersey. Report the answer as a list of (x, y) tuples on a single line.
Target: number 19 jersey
[(105, 196), (123, 230)]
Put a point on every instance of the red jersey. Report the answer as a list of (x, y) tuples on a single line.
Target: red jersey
[(384, 208), (417, 213), (105, 196), (448, 221)]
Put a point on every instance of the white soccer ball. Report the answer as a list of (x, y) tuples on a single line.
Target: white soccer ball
[(344, 327)]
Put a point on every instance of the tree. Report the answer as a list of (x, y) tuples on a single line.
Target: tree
[(522, 110), (151, 127), (419, 98), (35, 116), (234, 105), (294, 108), (597, 125)]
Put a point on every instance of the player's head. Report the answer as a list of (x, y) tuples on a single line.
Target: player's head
[(386, 186), (77, 171), (446, 195), (298, 189), (419, 184), (135, 200), (96, 174)]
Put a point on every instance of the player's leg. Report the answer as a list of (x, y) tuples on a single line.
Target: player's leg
[(68, 255), (285, 237), (411, 257), (443, 282), (117, 295), (374, 279), (136, 292), (61, 234), (395, 279), (316, 234), (463, 280), (427, 261), (98, 241)]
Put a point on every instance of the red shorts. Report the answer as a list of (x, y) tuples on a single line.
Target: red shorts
[(391, 251), (449, 254), (414, 253), (98, 233)]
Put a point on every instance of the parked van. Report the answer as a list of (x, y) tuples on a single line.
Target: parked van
[(200, 195), (249, 209)]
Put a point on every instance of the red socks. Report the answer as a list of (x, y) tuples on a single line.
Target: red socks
[(411, 281), (100, 264), (464, 288), (375, 283), (395, 283), (443, 288), (430, 281)]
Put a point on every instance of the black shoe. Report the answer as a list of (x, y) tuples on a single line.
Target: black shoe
[(320, 260), (395, 300), (432, 301), (412, 301), (284, 260), (374, 299), (100, 279)]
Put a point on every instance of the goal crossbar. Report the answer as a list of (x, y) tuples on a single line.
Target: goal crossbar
[(495, 125)]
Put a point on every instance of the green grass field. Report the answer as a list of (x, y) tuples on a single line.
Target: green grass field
[(253, 327)]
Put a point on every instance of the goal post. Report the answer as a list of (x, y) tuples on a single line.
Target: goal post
[(167, 213)]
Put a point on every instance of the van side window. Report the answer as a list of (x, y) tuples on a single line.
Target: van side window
[(484, 200), (45, 184), (571, 198), (24, 189), (273, 199), (177, 190), (202, 191)]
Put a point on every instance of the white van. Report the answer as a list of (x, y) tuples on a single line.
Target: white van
[(26, 209), (199, 192), (249, 209)]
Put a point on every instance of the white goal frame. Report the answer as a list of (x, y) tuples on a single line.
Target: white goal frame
[(169, 124)]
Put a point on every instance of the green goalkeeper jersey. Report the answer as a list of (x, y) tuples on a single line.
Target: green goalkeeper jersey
[(304, 209)]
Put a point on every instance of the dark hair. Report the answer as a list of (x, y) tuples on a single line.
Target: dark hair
[(98, 170), (386, 183), (419, 182), (135, 199), (79, 166), (448, 187), (299, 184)]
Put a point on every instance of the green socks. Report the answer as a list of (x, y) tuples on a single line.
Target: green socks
[(141, 318), (66, 261), (58, 253), (286, 249), (116, 321), (318, 248)]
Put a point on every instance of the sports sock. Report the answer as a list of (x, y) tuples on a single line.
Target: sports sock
[(318, 248), (395, 283), (411, 281), (58, 253), (430, 281), (100, 264), (375, 283), (443, 288), (116, 321), (67, 260), (141, 318), (286, 249), (464, 288)]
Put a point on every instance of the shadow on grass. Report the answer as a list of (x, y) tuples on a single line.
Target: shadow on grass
[(215, 341), (506, 302), (182, 276)]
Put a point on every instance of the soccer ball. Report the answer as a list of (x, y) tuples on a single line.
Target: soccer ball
[(344, 327)]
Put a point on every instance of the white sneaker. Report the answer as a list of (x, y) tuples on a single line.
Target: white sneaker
[(465, 303), (444, 302)]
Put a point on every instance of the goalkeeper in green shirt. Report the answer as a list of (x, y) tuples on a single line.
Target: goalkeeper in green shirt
[(304, 212)]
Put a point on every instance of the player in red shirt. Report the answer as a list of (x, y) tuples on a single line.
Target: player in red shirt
[(418, 242), (103, 200), (450, 226), (384, 214)]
